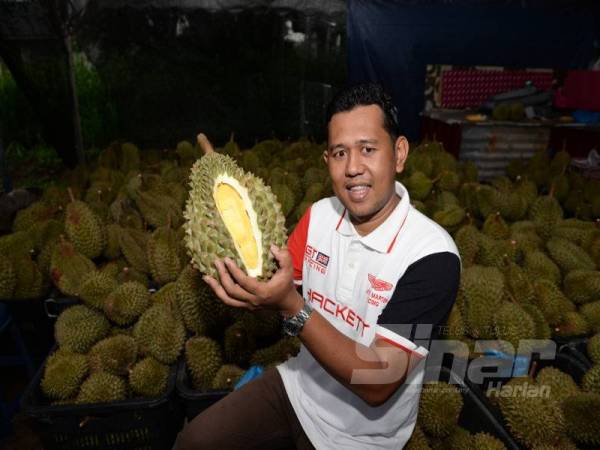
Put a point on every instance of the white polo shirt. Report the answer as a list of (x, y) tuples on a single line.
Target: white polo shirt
[(349, 279)]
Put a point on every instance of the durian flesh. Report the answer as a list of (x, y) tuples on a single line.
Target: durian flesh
[(239, 217)]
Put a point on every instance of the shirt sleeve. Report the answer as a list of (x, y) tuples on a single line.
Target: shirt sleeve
[(423, 298), (297, 245)]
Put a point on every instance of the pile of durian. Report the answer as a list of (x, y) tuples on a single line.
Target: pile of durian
[(529, 244), (550, 411), (437, 426), (112, 235)]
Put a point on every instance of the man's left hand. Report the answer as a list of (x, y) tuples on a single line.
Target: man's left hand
[(237, 289)]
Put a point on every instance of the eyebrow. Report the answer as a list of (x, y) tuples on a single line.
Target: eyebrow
[(359, 142)]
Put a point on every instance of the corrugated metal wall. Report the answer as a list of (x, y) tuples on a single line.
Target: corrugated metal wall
[(492, 147)]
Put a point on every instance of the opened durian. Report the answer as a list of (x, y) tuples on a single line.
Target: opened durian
[(231, 213)]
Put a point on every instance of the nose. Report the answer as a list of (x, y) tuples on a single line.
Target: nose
[(354, 164)]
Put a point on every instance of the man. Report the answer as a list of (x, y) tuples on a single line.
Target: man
[(366, 260)]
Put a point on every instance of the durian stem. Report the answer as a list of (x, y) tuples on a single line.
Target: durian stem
[(71, 196), (205, 144), (533, 368)]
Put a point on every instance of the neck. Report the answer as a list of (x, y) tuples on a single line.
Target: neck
[(365, 225)]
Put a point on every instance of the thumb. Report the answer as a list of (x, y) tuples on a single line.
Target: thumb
[(281, 255)]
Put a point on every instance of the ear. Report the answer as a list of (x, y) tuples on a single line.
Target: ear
[(326, 156), (401, 147)]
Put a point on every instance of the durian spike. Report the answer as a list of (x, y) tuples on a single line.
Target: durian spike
[(205, 144)]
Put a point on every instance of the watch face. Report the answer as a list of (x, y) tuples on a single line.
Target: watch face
[(290, 327)]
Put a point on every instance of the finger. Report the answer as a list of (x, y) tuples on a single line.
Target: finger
[(223, 296), (283, 257), (231, 287), (248, 283), (204, 144)]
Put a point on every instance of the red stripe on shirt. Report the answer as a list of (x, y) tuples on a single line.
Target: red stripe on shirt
[(400, 346), (297, 244), (397, 232), (340, 221)]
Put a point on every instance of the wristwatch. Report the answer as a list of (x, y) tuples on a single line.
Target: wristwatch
[(292, 326)]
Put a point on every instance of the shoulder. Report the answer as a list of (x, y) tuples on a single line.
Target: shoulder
[(420, 236), (326, 210)]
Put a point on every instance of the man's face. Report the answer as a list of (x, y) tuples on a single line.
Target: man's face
[(363, 161)]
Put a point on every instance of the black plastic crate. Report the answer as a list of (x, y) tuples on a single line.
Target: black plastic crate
[(140, 424), (476, 415), (37, 330), (194, 402)]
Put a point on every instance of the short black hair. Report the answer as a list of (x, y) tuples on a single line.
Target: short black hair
[(364, 95)]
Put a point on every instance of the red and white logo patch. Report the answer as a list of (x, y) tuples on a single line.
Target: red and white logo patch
[(379, 285)]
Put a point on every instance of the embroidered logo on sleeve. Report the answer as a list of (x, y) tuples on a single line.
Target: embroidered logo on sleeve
[(316, 260), (379, 285)]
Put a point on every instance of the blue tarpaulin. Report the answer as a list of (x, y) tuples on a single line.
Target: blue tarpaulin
[(391, 42)]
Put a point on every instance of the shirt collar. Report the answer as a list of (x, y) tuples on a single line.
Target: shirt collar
[(383, 237)]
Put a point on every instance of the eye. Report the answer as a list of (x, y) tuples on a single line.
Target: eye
[(368, 149), (339, 154)]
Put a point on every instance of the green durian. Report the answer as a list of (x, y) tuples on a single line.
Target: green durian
[(439, 408), (591, 380), (550, 300), (238, 343), (226, 377), (78, 328), (467, 241), (591, 311), (514, 325), (582, 422), (134, 247), (418, 440), (126, 303), (102, 387), (539, 266), (160, 334), (166, 294), (149, 377), (30, 282), (582, 286), (114, 354), (460, 439), (593, 348), (95, 287), (482, 289), (279, 352), (231, 213), (163, 255), (485, 441), (560, 383), (572, 324), (64, 372), (569, 256), (418, 185), (201, 311), (85, 229), (26, 218), (203, 360), (547, 213), (68, 267), (533, 420)]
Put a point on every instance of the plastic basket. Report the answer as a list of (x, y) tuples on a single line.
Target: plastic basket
[(194, 402), (36, 328), (141, 424)]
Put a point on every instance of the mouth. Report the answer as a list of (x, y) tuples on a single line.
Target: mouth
[(358, 192)]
